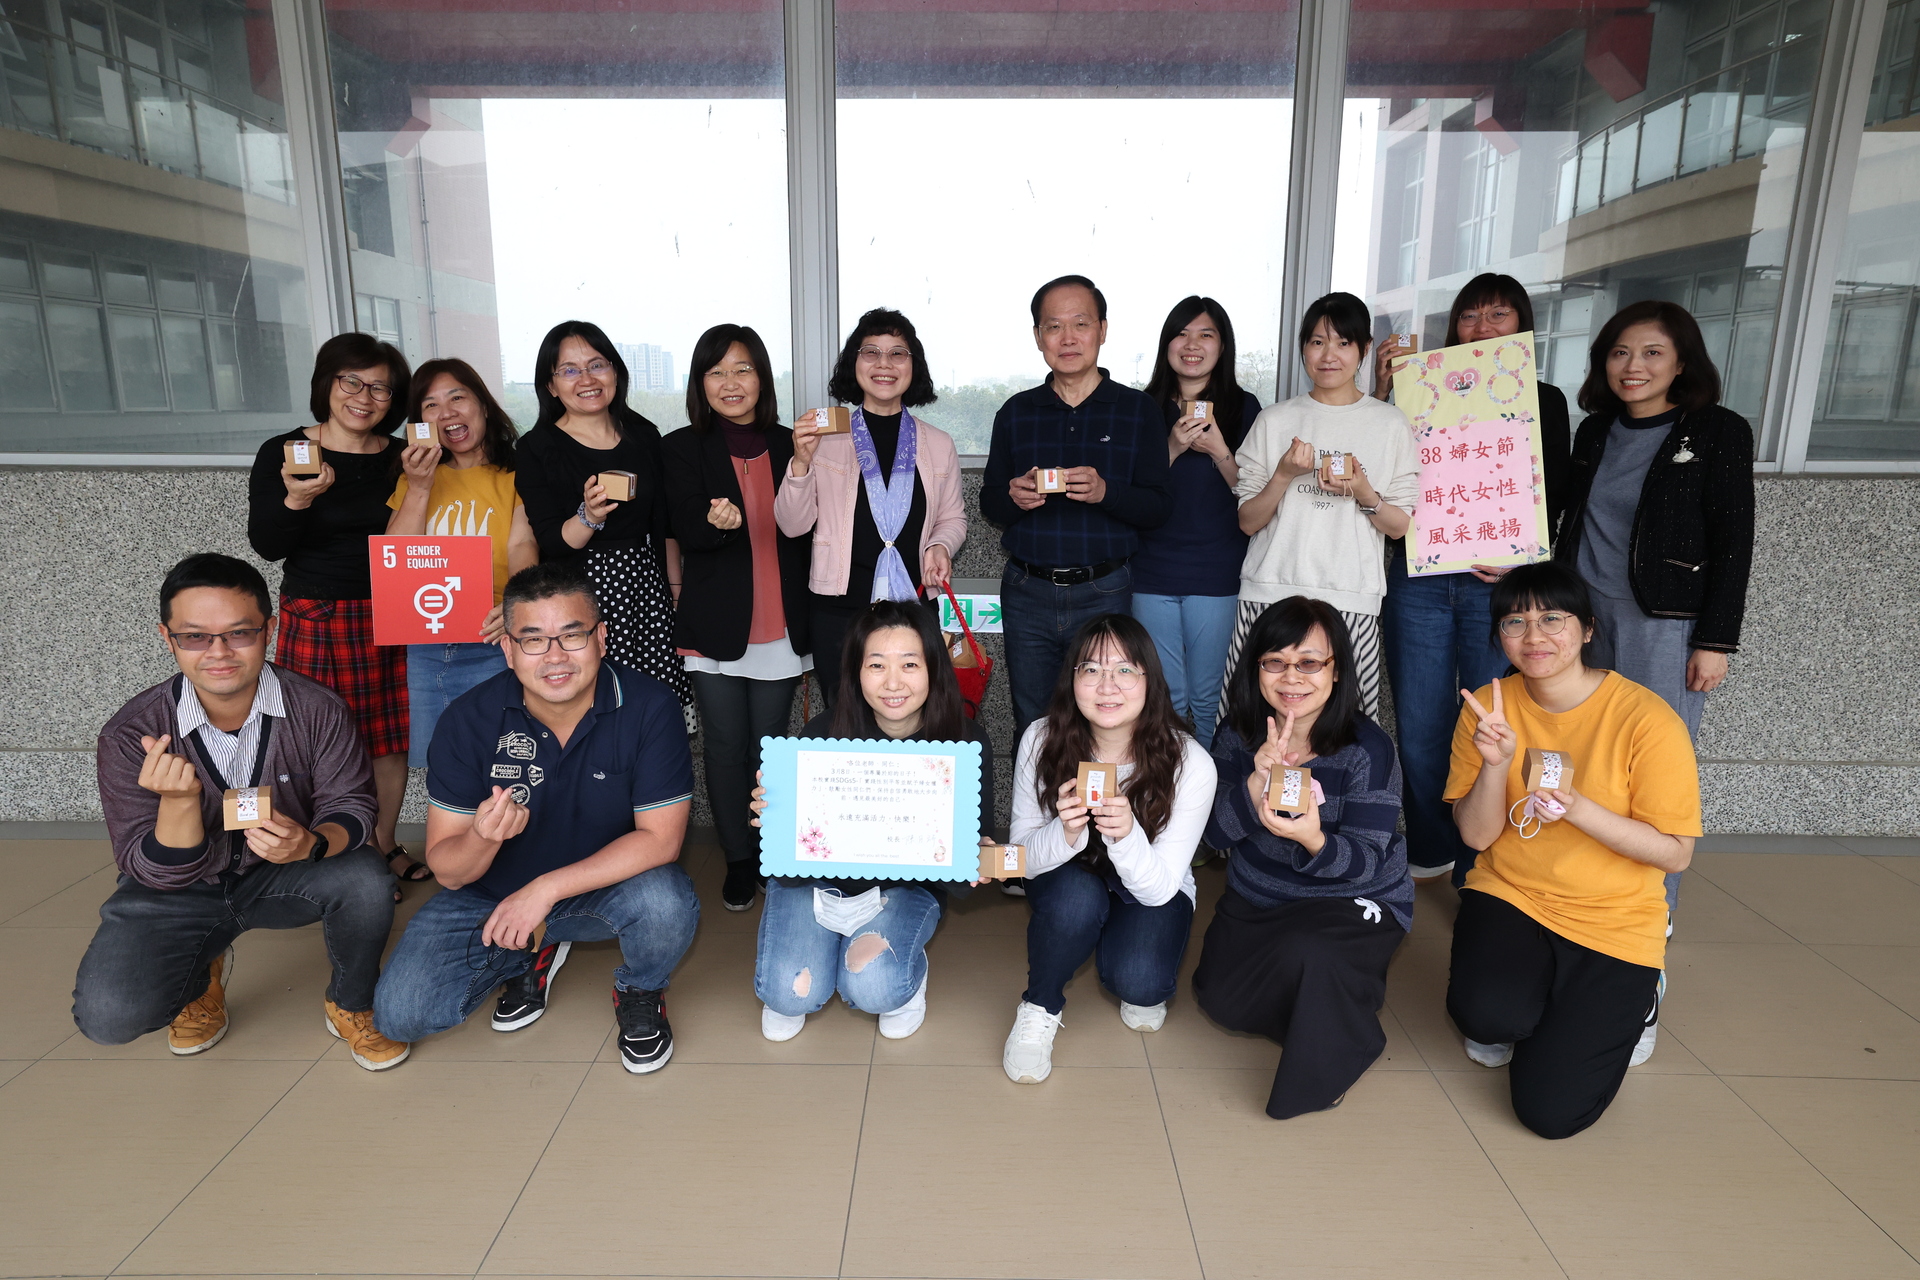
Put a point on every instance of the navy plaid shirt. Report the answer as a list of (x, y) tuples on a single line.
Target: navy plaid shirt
[(1119, 433)]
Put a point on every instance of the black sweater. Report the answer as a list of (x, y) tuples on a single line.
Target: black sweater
[(1691, 549), (551, 470), (325, 546)]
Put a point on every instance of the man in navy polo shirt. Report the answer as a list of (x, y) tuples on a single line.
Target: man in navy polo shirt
[(559, 793)]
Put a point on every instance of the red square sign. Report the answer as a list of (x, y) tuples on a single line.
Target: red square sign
[(428, 589)]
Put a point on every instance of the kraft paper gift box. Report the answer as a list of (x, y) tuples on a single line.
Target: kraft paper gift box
[(1193, 410), (1003, 861), (1290, 791), (961, 652), (620, 485), (1052, 479), (247, 807), (423, 433), (1338, 466), (303, 458), (1097, 781), (1544, 770), (833, 422)]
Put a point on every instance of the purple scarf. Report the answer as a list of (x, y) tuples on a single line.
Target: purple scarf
[(891, 501)]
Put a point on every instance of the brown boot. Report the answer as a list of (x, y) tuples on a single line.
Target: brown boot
[(369, 1048), (200, 1026)]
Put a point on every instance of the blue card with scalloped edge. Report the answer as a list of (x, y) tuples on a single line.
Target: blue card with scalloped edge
[(870, 809)]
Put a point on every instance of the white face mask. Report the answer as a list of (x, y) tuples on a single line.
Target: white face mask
[(1530, 807), (836, 911)]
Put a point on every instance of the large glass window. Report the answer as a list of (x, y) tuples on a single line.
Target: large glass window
[(1869, 405), (150, 247), (986, 148), (1600, 156), (511, 165)]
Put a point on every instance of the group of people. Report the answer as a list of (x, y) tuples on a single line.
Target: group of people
[(1185, 597)]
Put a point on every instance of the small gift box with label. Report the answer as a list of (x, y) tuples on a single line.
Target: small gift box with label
[(303, 458), (1003, 861), (1335, 465), (1196, 410), (833, 422), (620, 485), (1051, 479), (423, 433), (247, 807), (1546, 770), (961, 652), (1290, 791), (1096, 782)]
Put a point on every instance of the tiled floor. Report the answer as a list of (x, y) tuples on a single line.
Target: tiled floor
[(1776, 1133)]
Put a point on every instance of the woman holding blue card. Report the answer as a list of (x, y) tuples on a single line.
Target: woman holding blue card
[(1110, 879), (864, 939)]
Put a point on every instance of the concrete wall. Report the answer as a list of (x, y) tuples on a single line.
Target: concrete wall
[(1814, 732)]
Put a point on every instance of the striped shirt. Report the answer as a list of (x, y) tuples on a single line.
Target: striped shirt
[(235, 754)]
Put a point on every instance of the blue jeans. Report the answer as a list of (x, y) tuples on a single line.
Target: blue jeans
[(1192, 634), (1136, 949), (1438, 640), (793, 946), (440, 973), (436, 675), (1038, 621)]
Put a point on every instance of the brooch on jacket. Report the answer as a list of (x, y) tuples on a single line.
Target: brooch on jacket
[(1685, 454)]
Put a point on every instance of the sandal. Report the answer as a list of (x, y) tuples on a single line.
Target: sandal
[(412, 873)]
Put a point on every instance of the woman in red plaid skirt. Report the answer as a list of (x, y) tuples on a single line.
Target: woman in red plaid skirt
[(319, 525)]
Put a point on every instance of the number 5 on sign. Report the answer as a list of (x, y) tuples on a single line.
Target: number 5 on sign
[(429, 589)]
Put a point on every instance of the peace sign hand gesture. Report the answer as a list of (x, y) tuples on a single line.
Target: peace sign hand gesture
[(1494, 737), (1273, 754)]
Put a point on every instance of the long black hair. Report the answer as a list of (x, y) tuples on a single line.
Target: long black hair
[(1696, 386), (943, 717), (882, 322), (500, 433), (1158, 746), (1223, 386), (628, 421), (709, 351), (1282, 625)]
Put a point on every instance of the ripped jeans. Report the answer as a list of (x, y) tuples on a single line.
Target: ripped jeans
[(801, 962)]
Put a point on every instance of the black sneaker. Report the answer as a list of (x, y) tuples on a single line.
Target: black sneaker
[(524, 998), (646, 1041), (743, 878)]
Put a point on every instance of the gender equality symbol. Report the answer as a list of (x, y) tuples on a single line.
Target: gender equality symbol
[(434, 601)]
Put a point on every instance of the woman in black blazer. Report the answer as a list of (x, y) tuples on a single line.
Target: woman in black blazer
[(742, 621)]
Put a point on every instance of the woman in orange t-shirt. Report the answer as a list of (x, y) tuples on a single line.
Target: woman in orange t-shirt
[(1561, 937)]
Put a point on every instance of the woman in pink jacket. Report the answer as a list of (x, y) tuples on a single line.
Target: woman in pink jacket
[(882, 500)]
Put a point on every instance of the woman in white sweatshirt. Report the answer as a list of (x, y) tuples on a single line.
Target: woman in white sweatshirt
[(1319, 535), (1110, 878)]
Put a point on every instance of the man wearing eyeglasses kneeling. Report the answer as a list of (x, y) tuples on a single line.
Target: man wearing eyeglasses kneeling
[(558, 794), (231, 737)]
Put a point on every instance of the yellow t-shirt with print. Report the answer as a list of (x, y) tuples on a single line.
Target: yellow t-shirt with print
[(470, 500), (1630, 753)]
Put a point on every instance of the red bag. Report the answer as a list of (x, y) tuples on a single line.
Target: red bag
[(974, 676)]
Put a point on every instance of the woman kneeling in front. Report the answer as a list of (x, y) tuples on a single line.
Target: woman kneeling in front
[(1558, 948), (867, 940), (1317, 896), (1110, 880)]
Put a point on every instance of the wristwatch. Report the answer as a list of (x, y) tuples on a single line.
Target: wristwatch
[(1373, 510), (319, 849)]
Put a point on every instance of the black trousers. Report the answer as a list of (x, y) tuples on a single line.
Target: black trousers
[(1309, 975), (149, 958), (1572, 1014), (735, 713)]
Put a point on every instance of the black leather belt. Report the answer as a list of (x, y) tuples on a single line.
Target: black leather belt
[(1071, 577)]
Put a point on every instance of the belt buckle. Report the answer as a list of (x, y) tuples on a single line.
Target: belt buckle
[(1069, 577)]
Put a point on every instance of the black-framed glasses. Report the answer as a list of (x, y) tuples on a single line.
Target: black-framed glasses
[(570, 641), (353, 386), (1513, 626), (197, 641), (1306, 666)]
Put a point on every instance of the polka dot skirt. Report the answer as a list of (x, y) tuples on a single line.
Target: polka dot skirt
[(638, 608)]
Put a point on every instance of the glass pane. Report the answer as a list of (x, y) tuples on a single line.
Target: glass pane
[(136, 354), (79, 356), (1102, 140), (227, 373), (68, 274), (514, 197), (1625, 127), (127, 282), (16, 267), (24, 383), (179, 290), (27, 101), (187, 362)]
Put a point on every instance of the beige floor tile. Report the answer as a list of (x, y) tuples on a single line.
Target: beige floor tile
[(1858, 900), (985, 911), (11, 1068), (98, 1153), (36, 1004), (948, 1154), (1907, 868), (708, 870), (1679, 1178), (1860, 1133), (31, 871), (75, 907), (1708, 913), (1893, 972), (714, 1169), (578, 1019), (408, 1170), (1301, 1198), (1750, 1009), (1417, 985)]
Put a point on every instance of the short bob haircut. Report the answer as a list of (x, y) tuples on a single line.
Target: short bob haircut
[(1696, 386), (211, 569), (1484, 290), (1548, 585), (546, 581), (1282, 625), (1348, 316), (882, 322), (943, 717), (626, 420), (345, 352), (1223, 387), (1063, 282), (500, 433), (708, 352)]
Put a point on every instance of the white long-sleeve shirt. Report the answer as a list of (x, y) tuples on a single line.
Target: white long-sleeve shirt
[(1152, 870)]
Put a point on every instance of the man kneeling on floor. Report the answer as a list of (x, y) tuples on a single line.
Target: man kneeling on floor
[(558, 794), (238, 796)]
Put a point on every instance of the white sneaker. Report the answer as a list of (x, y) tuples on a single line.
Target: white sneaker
[(1143, 1017), (777, 1026), (1644, 1049), (1028, 1057), (1489, 1055), (898, 1024), (1429, 873)]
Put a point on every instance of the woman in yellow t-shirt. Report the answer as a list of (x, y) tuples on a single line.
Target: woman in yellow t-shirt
[(1561, 937)]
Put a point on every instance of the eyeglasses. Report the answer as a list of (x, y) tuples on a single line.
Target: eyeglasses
[(1125, 677), (572, 372), (1550, 624), (1498, 315), (1306, 666), (738, 371), (892, 355), (353, 386), (534, 646), (238, 638)]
